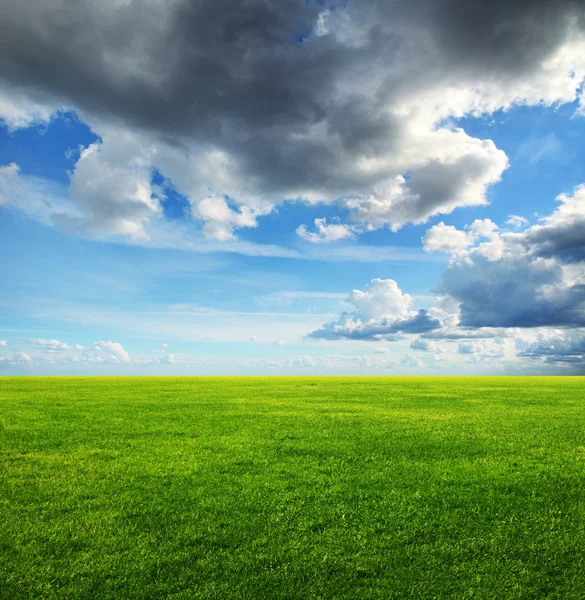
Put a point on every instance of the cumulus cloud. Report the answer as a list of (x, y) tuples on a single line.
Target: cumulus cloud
[(50, 344), (116, 350), (559, 235), (3, 343), (242, 106), (558, 347), (446, 238), (535, 278), (449, 239), (20, 109), (22, 357), (423, 345), (382, 311), (516, 221), (220, 219), (514, 292), (325, 233)]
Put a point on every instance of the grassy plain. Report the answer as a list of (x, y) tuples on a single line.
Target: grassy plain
[(296, 488)]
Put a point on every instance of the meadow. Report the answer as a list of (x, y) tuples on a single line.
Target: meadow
[(292, 488)]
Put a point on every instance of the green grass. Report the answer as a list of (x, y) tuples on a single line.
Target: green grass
[(260, 488)]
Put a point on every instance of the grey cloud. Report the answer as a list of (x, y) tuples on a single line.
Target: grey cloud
[(561, 345), (298, 117), (516, 291), (463, 333), (351, 327), (531, 279), (563, 348)]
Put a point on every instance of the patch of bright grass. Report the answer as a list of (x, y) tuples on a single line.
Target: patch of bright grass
[(260, 488)]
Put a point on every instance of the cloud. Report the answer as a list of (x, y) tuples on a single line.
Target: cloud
[(20, 109), (514, 291), (79, 347), (487, 349), (278, 343), (116, 349), (221, 219), (438, 187), (533, 278), (446, 238), (470, 348), (560, 235), (167, 359), (3, 343), (411, 362), (423, 345), (22, 357), (50, 344), (517, 221), (111, 185), (558, 347), (243, 106), (325, 233), (449, 239), (382, 311)]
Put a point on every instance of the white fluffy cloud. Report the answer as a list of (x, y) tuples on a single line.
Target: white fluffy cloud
[(50, 344), (20, 108), (3, 343), (382, 311), (446, 238), (116, 350), (220, 219), (111, 185), (449, 239), (325, 233), (517, 221)]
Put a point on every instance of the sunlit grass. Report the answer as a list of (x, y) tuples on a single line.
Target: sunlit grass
[(245, 488)]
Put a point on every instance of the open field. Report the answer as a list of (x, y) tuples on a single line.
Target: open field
[(245, 488)]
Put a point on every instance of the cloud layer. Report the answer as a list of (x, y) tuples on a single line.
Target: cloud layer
[(382, 311), (240, 106)]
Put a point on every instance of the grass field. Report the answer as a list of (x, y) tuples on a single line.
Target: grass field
[(297, 488)]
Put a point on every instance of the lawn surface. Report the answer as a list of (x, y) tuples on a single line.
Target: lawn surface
[(297, 488)]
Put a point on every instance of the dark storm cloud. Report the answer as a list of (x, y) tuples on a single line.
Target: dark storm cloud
[(516, 291), (564, 241), (253, 78)]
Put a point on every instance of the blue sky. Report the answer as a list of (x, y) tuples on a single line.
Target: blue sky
[(353, 217)]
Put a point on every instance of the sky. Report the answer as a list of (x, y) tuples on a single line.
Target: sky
[(217, 187)]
